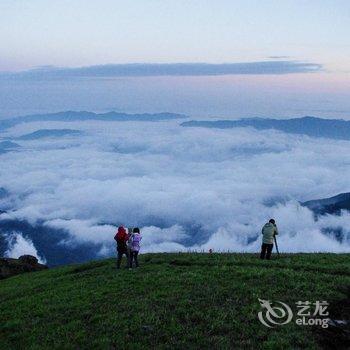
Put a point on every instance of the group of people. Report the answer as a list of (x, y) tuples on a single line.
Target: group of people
[(128, 243)]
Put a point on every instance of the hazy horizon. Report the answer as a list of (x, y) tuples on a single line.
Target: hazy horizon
[(252, 58)]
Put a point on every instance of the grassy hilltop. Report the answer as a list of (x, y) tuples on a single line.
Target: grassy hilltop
[(174, 301)]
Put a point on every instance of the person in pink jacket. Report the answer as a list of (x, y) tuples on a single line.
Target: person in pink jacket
[(135, 246)]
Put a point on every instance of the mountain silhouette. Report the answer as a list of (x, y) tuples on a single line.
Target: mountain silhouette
[(43, 133), (71, 116), (311, 126), (332, 205)]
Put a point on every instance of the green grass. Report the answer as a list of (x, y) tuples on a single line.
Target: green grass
[(173, 301)]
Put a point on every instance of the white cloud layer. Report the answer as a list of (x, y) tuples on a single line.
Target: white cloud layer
[(169, 179), (18, 245)]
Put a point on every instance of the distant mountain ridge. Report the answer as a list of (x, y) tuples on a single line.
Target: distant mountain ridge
[(311, 126), (332, 205), (70, 116), (43, 133), (7, 146)]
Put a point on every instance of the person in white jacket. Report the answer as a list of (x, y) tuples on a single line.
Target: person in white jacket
[(135, 246), (269, 231)]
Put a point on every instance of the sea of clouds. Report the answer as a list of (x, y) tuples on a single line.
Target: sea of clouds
[(187, 188)]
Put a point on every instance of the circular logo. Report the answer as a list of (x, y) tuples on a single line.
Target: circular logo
[(274, 315)]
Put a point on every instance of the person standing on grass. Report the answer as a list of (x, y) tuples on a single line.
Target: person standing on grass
[(135, 247), (269, 231), (121, 237)]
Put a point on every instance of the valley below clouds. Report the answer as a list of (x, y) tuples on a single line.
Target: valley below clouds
[(197, 188)]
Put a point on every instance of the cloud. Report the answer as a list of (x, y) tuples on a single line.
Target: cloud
[(84, 231), (164, 69), (18, 245), (187, 188), (278, 57)]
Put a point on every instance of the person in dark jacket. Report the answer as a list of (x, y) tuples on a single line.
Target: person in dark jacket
[(269, 231), (121, 237)]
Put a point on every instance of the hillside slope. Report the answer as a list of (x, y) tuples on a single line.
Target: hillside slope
[(173, 301)]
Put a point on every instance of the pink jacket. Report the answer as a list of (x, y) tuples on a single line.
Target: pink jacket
[(136, 239)]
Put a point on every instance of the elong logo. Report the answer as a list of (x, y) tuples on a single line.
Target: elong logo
[(281, 314), (274, 315)]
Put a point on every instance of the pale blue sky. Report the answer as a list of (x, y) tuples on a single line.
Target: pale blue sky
[(75, 33), (88, 32)]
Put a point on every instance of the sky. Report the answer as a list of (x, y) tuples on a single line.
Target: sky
[(205, 59), (297, 55)]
